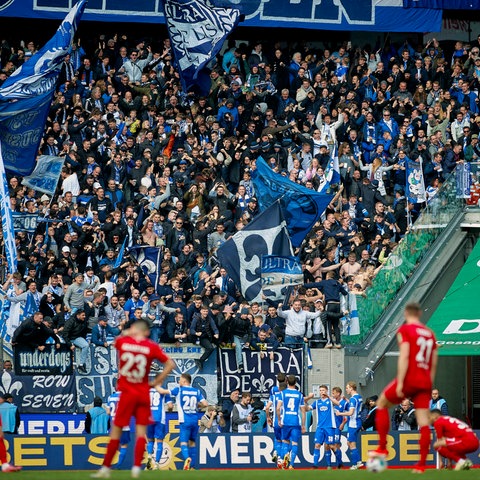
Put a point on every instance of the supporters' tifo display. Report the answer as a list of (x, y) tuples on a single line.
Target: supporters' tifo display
[(232, 200)]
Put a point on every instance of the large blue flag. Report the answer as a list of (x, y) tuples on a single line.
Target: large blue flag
[(301, 207), (415, 188), (241, 255), (46, 174), (149, 260), (26, 95), (197, 31), (7, 220)]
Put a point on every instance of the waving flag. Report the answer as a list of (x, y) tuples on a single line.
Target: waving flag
[(46, 174), (242, 254), (26, 95), (415, 191), (7, 220), (149, 260), (278, 273), (332, 172), (197, 31), (301, 207)]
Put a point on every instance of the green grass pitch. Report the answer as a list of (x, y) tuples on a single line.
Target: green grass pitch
[(394, 474)]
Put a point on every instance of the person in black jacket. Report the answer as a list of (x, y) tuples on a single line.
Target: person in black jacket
[(74, 334), (32, 332), (177, 329), (204, 329), (242, 332)]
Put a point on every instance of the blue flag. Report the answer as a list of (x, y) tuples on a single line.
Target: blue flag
[(197, 31), (121, 253), (464, 180), (149, 260), (241, 255), (415, 191), (7, 220), (332, 172), (46, 174), (26, 95), (301, 207)]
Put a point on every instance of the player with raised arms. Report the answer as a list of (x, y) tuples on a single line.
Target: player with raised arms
[(136, 352), (416, 368), (291, 419)]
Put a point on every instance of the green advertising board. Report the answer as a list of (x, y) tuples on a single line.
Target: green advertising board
[(456, 322)]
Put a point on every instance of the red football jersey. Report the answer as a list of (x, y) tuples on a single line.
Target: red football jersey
[(134, 361), (422, 345), (450, 428)]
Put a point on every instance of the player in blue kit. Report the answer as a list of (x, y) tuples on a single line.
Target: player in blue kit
[(326, 424), (291, 419), (341, 406), (275, 395), (159, 401), (188, 400), (112, 404), (354, 423)]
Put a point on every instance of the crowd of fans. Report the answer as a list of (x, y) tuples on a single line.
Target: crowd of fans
[(149, 164)]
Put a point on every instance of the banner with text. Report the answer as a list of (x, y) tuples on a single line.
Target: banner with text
[(278, 273), (50, 361), (41, 393), (367, 15), (259, 374)]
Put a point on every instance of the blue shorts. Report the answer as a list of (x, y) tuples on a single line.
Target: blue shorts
[(125, 438), (278, 432), (291, 433), (325, 435), (337, 436), (352, 434), (188, 432), (156, 430)]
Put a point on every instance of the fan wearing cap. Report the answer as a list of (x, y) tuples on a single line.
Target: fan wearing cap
[(472, 152), (265, 342)]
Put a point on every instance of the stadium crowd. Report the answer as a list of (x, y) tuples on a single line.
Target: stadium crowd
[(149, 164)]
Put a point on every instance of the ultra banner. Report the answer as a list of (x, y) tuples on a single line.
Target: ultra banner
[(259, 374), (367, 15)]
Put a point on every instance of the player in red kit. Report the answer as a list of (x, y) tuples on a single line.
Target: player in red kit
[(135, 353), (417, 363), (454, 439)]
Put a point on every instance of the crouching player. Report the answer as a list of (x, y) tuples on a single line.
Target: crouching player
[(454, 439)]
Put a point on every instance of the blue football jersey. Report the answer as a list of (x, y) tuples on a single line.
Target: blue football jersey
[(187, 399), (291, 407), (325, 413)]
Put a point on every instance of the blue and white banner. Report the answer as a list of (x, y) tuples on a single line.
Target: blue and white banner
[(415, 191), (259, 374), (51, 424), (197, 31), (332, 172), (8, 228), (344, 15), (463, 174), (50, 361), (149, 259), (46, 174), (41, 393), (278, 273), (26, 95), (25, 222), (241, 255), (301, 207), (350, 323)]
